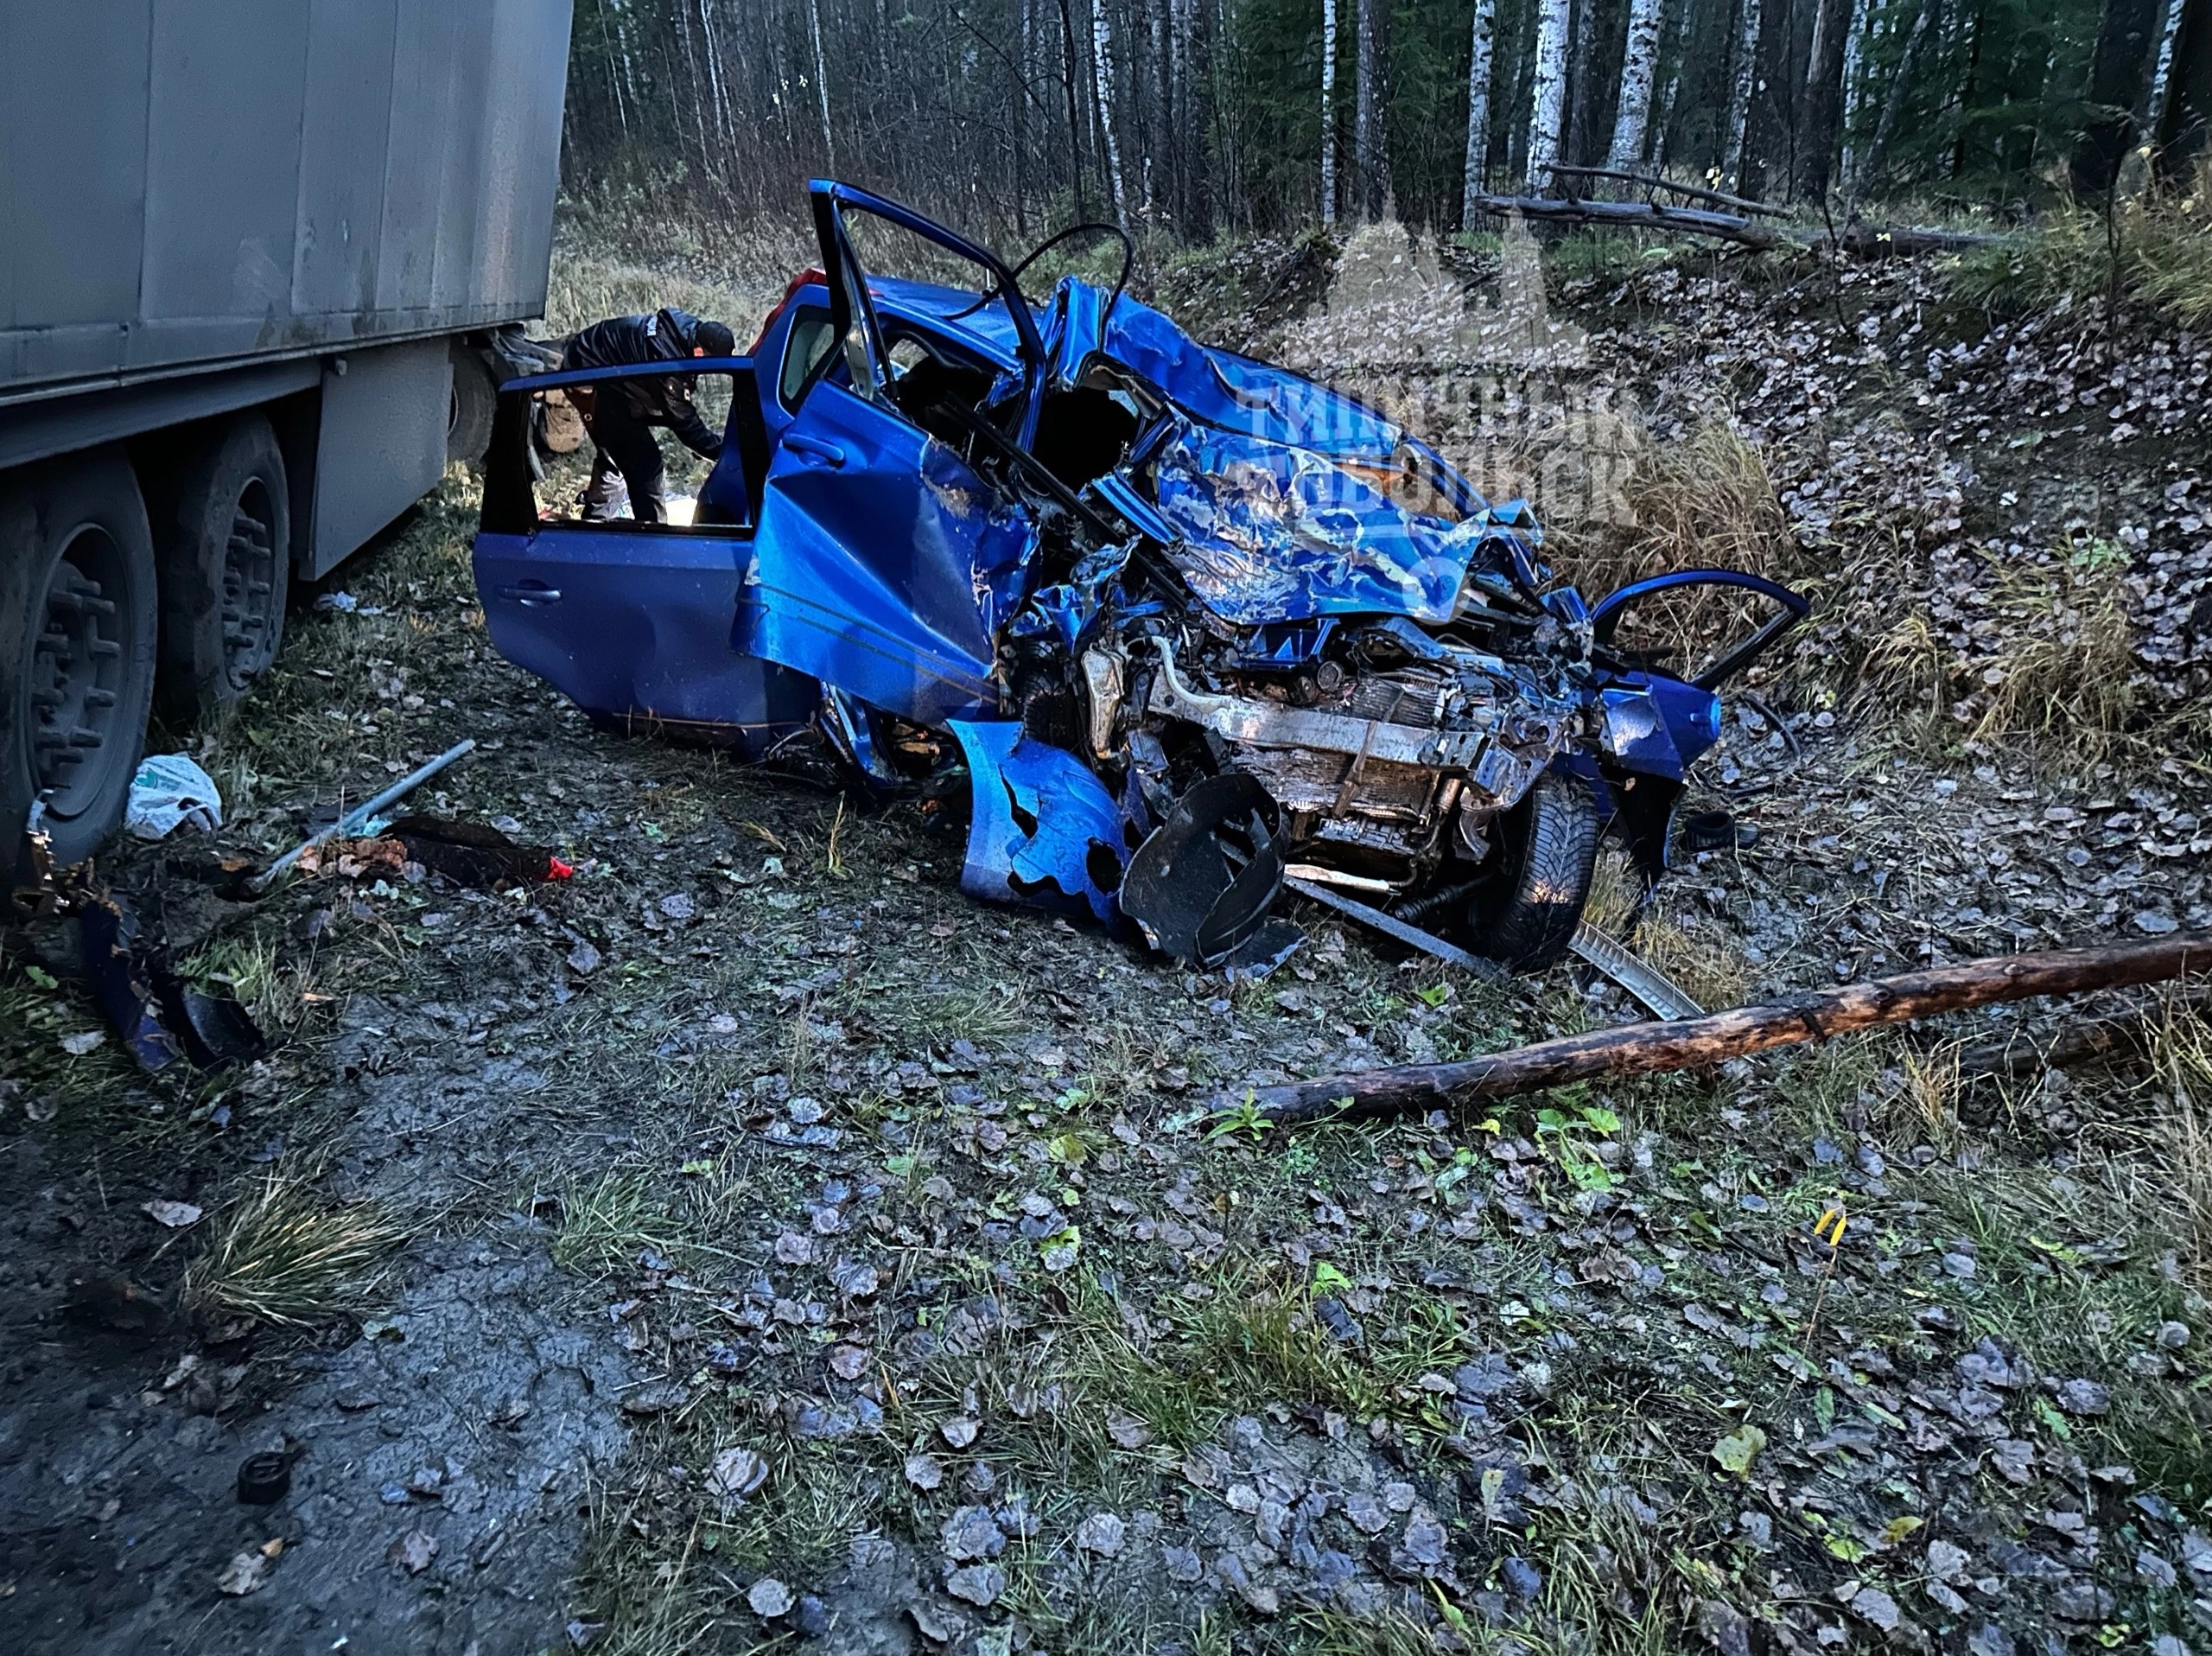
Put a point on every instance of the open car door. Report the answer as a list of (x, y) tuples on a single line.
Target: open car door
[(631, 621), (884, 563)]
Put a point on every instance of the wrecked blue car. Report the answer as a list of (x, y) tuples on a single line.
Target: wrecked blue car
[(1194, 628)]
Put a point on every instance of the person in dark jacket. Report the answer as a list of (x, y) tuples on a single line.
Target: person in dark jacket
[(621, 416)]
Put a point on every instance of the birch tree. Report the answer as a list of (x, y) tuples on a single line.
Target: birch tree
[(1102, 62), (1740, 94), (1369, 146), (1639, 67), (1892, 107), (1328, 112), (821, 81), (2162, 75), (1854, 83), (1547, 100), (1477, 175)]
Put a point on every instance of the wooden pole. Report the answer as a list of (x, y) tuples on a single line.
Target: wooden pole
[(1700, 1043)]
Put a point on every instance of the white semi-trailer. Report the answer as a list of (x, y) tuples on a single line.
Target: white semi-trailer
[(254, 261)]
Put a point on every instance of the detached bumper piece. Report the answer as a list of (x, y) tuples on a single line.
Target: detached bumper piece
[(1200, 885)]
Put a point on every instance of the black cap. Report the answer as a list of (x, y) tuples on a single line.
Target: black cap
[(715, 339)]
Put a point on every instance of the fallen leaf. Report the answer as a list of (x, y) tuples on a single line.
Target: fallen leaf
[(769, 1598), (247, 1572), (1736, 1451), (413, 1551)]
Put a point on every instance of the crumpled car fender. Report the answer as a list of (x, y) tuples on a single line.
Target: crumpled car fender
[(1045, 831)]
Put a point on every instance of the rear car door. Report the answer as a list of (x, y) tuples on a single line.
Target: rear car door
[(632, 622)]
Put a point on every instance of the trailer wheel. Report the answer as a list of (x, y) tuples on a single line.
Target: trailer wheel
[(226, 561), (1525, 912), (77, 584), (475, 399)]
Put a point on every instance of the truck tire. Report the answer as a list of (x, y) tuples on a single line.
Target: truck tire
[(78, 622), (225, 534), (475, 399), (1525, 912)]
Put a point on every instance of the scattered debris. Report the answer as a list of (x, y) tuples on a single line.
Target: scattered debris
[(176, 1215), (351, 825), (414, 1551), (769, 1598), (264, 1478), (248, 1571), (168, 790)]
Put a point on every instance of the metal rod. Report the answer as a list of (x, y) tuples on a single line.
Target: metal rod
[(1390, 926), (354, 819)]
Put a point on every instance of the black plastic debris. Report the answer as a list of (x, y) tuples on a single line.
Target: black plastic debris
[(1718, 831), (1201, 883), (159, 1015), (265, 1479)]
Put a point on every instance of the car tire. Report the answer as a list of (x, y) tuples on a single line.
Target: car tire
[(225, 545), (78, 628), (1526, 909), (475, 399)]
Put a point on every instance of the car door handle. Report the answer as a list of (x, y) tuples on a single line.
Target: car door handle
[(529, 594), (828, 453)]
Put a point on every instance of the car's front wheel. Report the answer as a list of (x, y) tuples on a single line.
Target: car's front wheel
[(1530, 900)]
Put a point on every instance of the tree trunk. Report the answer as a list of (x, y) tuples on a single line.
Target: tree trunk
[(1547, 100), (1370, 148), (1701, 1043), (1102, 62), (2182, 134), (1970, 88), (2126, 39), (1854, 83), (1328, 112), (2154, 106), (1476, 178), (1892, 107), (1740, 94), (1639, 67), (1662, 146), (1075, 117), (821, 82), (1837, 26)]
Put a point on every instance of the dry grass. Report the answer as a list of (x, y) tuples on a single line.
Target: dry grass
[(1708, 501), (2181, 1068), (1685, 947), (2065, 672), (281, 1255), (2157, 249)]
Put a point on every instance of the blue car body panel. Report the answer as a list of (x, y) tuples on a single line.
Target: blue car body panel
[(634, 627), (1044, 827)]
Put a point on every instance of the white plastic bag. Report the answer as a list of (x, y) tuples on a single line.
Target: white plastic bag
[(169, 789)]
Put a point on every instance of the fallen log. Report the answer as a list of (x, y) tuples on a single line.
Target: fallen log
[(1643, 215), (1700, 1043), (1687, 191), (2128, 1035), (1859, 241)]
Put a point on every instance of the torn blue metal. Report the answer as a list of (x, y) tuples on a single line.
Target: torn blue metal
[(1118, 573), (1044, 829)]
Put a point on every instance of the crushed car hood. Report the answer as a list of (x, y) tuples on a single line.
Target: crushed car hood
[(1279, 490)]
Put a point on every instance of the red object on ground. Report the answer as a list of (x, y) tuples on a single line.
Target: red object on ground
[(556, 869)]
